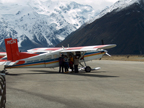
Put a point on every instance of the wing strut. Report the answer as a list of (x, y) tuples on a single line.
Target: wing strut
[(82, 56), (86, 68)]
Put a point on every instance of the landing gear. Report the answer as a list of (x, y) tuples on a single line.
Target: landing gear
[(88, 69)]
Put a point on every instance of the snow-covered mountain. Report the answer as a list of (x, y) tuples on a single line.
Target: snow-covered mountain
[(41, 23), (119, 5)]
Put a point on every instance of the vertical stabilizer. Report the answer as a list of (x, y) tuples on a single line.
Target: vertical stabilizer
[(8, 48), (12, 50)]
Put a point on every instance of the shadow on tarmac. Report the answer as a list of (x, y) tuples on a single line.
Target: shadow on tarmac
[(82, 73), (69, 103)]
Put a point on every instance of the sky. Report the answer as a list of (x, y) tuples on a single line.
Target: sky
[(96, 4)]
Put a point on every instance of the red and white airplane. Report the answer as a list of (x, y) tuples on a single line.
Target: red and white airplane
[(49, 57)]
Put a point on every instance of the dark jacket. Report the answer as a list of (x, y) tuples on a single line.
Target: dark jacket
[(61, 60)]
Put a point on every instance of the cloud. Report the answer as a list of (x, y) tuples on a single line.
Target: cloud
[(99, 5), (14, 1)]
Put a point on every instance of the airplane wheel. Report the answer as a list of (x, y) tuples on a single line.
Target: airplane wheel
[(88, 69)]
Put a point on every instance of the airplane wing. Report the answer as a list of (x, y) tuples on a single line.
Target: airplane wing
[(35, 50), (88, 48), (72, 49)]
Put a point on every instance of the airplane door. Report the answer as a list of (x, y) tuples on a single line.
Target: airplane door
[(48, 60)]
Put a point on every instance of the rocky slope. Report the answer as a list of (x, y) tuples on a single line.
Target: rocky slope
[(122, 25)]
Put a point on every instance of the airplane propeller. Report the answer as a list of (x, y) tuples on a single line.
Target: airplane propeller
[(102, 41)]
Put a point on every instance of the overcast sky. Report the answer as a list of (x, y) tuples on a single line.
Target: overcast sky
[(96, 4)]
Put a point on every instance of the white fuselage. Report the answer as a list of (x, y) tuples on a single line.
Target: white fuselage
[(51, 59)]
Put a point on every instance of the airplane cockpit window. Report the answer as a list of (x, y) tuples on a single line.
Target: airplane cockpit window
[(78, 53)]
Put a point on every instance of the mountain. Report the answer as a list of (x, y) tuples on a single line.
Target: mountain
[(41, 23), (2, 50), (121, 24)]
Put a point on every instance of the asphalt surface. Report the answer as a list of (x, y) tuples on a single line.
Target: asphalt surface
[(118, 84)]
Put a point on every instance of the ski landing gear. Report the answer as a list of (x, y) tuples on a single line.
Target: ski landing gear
[(87, 68)]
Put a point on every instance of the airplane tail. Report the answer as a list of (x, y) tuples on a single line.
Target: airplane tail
[(12, 50)]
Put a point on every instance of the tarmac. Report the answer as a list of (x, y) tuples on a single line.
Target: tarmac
[(118, 84)]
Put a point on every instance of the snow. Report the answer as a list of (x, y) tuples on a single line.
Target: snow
[(45, 22), (119, 5), (42, 21)]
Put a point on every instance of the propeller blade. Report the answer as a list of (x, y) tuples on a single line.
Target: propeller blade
[(102, 41)]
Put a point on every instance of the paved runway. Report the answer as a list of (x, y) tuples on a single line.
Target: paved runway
[(119, 84)]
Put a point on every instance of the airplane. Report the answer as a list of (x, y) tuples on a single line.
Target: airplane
[(49, 57)]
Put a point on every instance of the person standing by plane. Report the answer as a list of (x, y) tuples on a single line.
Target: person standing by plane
[(66, 63), (76, 62), (71, 62), (61, 63)]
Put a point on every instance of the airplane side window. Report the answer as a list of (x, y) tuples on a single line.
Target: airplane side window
[(42, 60), (55, 56), (48, 57), (36, 60), (29, 61)]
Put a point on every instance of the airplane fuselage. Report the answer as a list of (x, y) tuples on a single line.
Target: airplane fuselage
[(51, 60)]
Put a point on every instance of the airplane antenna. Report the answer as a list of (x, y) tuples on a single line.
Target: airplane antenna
[(63, 47), (102, 41), (68, 45)]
